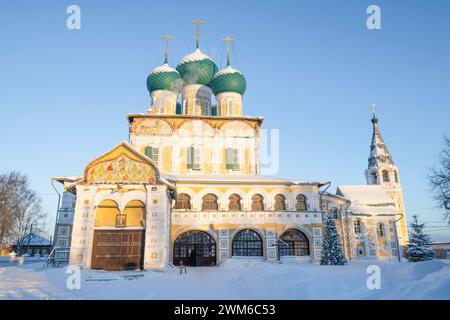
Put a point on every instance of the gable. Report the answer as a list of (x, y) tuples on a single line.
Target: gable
[(123, 164)]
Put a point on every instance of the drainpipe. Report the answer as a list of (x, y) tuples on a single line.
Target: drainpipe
[(399, 251), (57, 211), (347, 205), (144, 240), (327, 184)]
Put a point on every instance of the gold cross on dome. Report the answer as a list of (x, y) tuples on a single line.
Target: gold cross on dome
[(373, 105), (167, 37), (197, 22), (228, 40)]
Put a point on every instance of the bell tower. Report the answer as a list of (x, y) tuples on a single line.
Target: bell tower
[(382, 170)]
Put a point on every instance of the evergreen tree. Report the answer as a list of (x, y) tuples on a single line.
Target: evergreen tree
[(332, 253), (419, 242)]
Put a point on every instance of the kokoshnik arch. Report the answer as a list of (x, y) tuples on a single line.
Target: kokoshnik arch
[(187, 186)]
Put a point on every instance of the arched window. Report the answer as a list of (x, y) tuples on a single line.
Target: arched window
[(334, 213), (106, 213), (135, 213), (380, 230), (396, 176), (194, 248), (280, 203), (257, 202), (234, 203), (293, 243), (210, 202), (301, 203), (247, 243), (357, 225), (385, 176), (183, 201)]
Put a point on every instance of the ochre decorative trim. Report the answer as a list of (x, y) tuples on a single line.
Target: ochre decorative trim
[(176, 121), (123, 164)]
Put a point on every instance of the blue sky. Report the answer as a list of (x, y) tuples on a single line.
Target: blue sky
[(312, 69)]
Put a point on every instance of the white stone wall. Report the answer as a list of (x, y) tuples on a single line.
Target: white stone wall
[(370, 239), (83, 226), (157, 231)]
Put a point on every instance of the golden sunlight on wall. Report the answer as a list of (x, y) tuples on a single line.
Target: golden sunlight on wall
[(135, 213), (105, 215)]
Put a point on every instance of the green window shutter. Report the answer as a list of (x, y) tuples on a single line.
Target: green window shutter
[(214, 110), (229, 158), (190, 156), (178, 108), (149, 152)]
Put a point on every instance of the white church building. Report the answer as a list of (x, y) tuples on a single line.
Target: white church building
[(186, 186)]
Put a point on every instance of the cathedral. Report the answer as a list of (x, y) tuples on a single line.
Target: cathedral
[(186, 187)]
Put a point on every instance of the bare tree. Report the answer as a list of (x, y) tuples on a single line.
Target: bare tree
[(439, 179), (20, 208), (8, 202)]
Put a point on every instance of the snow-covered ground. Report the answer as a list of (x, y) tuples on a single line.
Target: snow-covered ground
[(234, 279)]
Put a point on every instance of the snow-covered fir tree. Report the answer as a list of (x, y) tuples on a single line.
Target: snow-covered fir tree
[(332, 253), (419, 248)]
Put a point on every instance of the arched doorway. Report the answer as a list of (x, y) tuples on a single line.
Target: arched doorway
[(118, 236), (247, 243), (293, 242), (195, 248)]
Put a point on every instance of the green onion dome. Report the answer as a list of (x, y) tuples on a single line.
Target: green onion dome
[(164, 78), (228, 80), (197, 68)]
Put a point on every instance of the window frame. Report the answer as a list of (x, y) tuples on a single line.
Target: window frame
[(214, 200), (260, 207), (279, 201), (304, 201)]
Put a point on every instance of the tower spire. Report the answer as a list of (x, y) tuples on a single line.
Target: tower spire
[(197, 22), (228, 40), (167, 37), (379, 153)]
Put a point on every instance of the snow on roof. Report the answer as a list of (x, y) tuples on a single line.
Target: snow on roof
[(164, 68), (229, 178), (367, 199), (197, 55), (66, 178), (35, 240), (227, 70)]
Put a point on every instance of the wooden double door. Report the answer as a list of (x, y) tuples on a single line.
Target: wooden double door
[(118, 249)]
